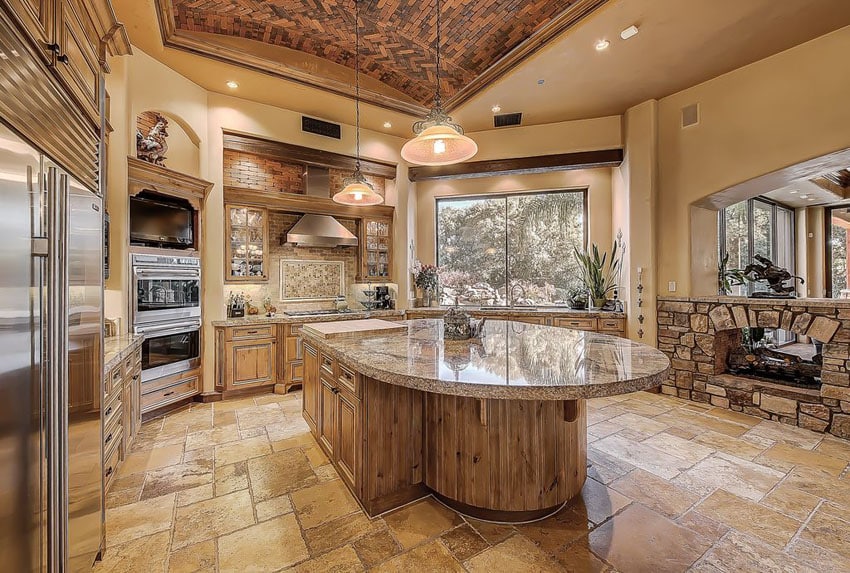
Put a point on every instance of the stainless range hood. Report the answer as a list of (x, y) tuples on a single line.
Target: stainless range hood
[(319, 230)]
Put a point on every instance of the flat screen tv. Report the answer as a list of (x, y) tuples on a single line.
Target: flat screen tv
[(159, 221)]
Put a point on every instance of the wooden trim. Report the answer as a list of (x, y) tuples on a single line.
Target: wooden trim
[(207, 397), (291, 153), (290, 202), (496, 515), (142, 175), (520, 165)]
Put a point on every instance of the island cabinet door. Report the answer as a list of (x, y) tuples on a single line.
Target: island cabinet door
[(310, 394), (348, 439), (327, 416)]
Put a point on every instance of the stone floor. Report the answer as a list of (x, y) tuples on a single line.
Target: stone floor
[(673, 486)]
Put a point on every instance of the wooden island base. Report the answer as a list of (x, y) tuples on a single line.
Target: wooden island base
[(500, 460)]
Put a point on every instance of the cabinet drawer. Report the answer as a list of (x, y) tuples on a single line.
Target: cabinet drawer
[(293, 329), (112, 415), (110, 466), (576, 323), (295, 372), (612, 324), (349, 380), (113, 383), (251, 332), (112, 433), (137, 358), (326, 364), (169, 394)]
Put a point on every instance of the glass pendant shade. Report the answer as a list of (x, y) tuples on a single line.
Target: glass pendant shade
[(439, 145), (357, 191)]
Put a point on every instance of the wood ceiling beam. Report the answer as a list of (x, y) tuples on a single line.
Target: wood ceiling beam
[(292, 203), (290, 153), (520, 165)]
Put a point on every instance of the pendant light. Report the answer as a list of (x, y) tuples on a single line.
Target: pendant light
[(356, 189), (438, 140)]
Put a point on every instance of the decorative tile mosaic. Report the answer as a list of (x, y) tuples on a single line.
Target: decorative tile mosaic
[(311, 280)]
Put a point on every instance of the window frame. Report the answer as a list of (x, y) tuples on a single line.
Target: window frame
[(827, 238), (585, 197), (774, 246)]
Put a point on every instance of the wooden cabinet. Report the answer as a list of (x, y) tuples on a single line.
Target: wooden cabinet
[(615, 326), (529, 319), (246, 247), (376, 252), (38, 18), (246, 357), (347, 454), (310, 393), (122, 416), (293, 374), (327, 416), (77, 61), (131, 398)]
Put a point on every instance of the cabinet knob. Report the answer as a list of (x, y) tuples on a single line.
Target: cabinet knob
[(54, 48), (63, 58)]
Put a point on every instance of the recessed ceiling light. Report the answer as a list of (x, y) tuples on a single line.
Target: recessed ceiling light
[(601, 45), (804, 196), (232, 85), (629, 32), (496, 108), (811, 198), (387, 125), (792, 192), (541, 81)]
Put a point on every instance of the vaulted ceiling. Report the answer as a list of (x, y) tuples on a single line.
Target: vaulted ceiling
[(481, 40)]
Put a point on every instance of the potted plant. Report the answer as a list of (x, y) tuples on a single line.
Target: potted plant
[(426, 277), (599, 273), (728, 278), (577, 297)]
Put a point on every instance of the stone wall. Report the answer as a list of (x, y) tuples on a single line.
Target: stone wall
[(693, 332)]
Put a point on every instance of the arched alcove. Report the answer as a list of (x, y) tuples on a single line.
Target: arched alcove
[(183, 153)]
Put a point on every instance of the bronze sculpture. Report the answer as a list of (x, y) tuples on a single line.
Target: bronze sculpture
[(775, 276)]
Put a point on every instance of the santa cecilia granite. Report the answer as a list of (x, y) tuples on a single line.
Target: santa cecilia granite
[(117, 348), (495, 428), (511, 360)]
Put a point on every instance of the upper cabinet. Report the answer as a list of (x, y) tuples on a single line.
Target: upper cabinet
[(38, 18), (77, 61), (376, 249), (247, 245)]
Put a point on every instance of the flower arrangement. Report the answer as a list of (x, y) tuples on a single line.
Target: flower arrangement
[(426, 277)]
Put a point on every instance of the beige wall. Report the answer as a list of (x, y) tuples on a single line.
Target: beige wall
[(758, 119)]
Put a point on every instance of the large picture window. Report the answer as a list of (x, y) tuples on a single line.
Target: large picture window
[(512, 249), (756, 227)]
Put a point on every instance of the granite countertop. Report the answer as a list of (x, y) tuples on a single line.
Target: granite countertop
[(511, 361), (542, 310), (116, 348), (284, 318)]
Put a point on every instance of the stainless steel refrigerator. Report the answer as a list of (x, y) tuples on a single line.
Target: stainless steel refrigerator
[(51, 364)]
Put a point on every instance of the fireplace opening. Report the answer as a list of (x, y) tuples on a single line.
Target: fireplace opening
[(772, 355)]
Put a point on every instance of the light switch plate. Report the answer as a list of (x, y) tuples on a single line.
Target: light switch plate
[(671, 286)]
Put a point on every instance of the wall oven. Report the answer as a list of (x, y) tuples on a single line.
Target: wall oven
[(165, 289), (170, 348)]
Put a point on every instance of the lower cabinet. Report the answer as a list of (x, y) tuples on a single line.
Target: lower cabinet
[(310, 394), (246, 357), (327, 416), (347, 437), (122, 411)]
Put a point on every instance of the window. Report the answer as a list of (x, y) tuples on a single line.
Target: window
[(838, 222), (756, 227), (510, 249)]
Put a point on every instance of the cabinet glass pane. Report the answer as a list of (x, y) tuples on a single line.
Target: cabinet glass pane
[(238, 216)]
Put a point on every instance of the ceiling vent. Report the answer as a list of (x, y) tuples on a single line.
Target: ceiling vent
[(507, 119), (319, 127), (690, 115)]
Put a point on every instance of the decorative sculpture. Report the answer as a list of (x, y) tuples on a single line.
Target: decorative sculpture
[(153, 147), (775, 276), (459, 325)]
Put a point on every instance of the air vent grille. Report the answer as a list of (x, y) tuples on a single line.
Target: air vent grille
[(319, 127), (507, 119), (690, 115)]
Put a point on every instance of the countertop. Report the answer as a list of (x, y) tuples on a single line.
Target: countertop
[(511, 361), (542, 310), (116, 348), (287, 319)]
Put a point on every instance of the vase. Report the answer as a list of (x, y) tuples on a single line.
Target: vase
[(427, 296), (598, 303)]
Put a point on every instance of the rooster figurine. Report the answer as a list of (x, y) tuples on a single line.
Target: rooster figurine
[(153, 147)]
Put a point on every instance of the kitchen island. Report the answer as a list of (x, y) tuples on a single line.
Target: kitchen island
[(495, 428)]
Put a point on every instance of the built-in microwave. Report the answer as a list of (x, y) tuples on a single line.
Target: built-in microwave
[(166, 288), (160, 221)]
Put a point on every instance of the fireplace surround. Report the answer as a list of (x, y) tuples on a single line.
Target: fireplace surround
[(696, 333)]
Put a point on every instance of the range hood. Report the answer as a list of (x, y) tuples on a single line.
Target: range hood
[(319, 230)]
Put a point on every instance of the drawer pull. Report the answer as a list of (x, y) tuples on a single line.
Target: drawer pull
[(168, 393), (335, 390), (252, 332), (109, 471), (135, 377), (108, 439), (108, 411)]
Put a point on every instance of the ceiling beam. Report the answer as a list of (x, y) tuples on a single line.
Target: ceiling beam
[(290, 153), (520, 165)]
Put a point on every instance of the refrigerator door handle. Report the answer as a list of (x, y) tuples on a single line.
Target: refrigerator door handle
[(56, 371)]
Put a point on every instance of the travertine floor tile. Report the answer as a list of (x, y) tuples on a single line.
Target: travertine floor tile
[(212, 437), (377, 547), (656, 493), (143, 555), (829, 528), (493, 532), (741, 552), (342, 560), (341, 531), (578, 558), (126, 488), (322, 503), (737, 447), (792, 435), (231, 478), (749, 517), (419, 521), (606, 468), (212, 518), (641, 455), (689, 452), (735, 475), (194, 495), (791, 501), (639, 539), (139, 519), (821, 559), (431, 557), (273, 507), (597, 502), (267, 546), (704, 526), (463, 542), (194, 558), (557, 531), (152, 459), (518, 553), (784, 457), (279, 473), (254, 416), (176, 478), (233, 452)]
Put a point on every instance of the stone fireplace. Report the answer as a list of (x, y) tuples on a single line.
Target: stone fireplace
[(699, 334)]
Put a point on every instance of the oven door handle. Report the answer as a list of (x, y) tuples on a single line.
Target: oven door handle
[(166, 274), (166, 330)]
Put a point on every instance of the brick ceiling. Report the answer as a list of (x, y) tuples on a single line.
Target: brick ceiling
[(397, 36)]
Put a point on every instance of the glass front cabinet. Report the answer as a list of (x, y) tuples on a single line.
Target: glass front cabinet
[(376, 249), (247, 244)]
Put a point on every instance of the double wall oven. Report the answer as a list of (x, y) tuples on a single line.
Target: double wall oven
[(167, 310)]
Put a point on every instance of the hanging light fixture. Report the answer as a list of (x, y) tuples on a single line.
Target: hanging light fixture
[(356, 189), (438, 140)]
